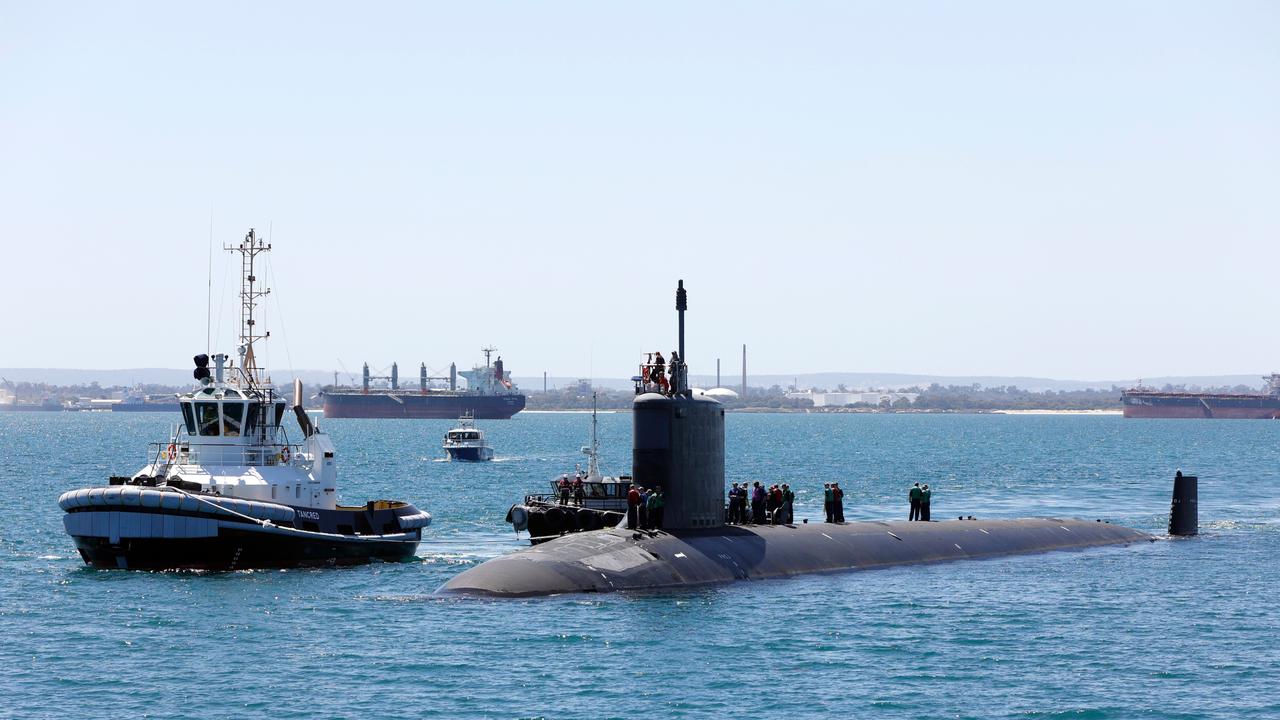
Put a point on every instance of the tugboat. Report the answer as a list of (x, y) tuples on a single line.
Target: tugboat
[(601, 502), (229, 490), (466, 441)]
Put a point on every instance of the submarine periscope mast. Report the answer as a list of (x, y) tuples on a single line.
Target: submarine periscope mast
[(678, 445)]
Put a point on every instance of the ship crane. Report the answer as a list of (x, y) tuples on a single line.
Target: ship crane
[(394, 377)]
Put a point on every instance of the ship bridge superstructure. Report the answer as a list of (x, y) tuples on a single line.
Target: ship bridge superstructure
[(232, 441)]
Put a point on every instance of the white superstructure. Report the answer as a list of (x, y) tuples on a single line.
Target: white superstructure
[(232, 441)]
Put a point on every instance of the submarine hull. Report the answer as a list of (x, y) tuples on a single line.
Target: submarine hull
[(615, 559)]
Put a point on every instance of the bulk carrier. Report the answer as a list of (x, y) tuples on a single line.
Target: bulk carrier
[(1143, 402), (489, 395)]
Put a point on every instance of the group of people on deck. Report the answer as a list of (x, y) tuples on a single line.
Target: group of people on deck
[(919, 497), (644, 508), (574, 489), (656, 372), (758, 505), (749, 505)]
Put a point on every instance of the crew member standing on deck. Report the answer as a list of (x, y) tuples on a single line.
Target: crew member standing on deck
[(673, 369), (633, 508), (914, 496), (788, 504), (837, 502), (656, 503), (826, 501), (757, 503), (735, 504), (659, 370), (925, 494), (644, 508)]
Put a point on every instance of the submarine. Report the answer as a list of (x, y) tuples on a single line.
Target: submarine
[(678, 445)]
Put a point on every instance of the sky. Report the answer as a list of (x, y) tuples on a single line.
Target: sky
[(1081, 190)]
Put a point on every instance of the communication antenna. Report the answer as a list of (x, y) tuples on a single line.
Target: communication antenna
[(250, 295), (208, 300)]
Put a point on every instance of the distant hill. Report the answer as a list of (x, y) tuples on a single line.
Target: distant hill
[(829, 380), (135, 376)]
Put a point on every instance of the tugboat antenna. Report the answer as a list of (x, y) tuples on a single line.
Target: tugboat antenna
[(250, 294)]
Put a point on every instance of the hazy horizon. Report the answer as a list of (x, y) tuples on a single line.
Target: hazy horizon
[(1082, 190)]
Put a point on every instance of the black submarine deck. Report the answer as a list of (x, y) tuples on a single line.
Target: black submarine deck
[(618, 559)]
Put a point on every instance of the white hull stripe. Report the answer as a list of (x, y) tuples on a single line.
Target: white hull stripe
[(128, 496), (115, 524)]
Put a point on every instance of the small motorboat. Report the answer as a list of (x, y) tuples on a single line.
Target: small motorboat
[(230, 490), (466, 441)]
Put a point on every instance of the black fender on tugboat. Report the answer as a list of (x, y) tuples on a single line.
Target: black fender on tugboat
[(518, 517), (588, 519), (555, 521)]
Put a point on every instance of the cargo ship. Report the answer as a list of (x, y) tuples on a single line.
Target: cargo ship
[(1143, 402), (489, 395)]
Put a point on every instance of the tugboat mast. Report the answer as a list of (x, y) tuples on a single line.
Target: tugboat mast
[(593, 464), (250, 294)]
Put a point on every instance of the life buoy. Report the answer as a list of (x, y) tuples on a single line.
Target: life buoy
[(519, 518), (284, 454), (172, 452)]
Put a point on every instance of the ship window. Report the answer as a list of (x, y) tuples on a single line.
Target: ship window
[(251, 418), (232, 418), (207, 418), (189, 417)]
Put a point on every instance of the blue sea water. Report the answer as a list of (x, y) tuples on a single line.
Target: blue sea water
[(1171, 629)]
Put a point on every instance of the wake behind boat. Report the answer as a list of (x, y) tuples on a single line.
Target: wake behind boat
[(229, 490)]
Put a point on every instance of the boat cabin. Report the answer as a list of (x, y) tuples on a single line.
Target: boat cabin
[(226, 412)]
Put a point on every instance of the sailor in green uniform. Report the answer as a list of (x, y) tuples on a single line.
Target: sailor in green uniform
[(656, 503), (925, 494), (914, 496)]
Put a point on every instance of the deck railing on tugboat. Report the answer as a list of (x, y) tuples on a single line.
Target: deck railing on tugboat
[(189, 453)]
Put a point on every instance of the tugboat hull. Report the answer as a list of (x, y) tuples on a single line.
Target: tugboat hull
[(237, 549), (162, 529)]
